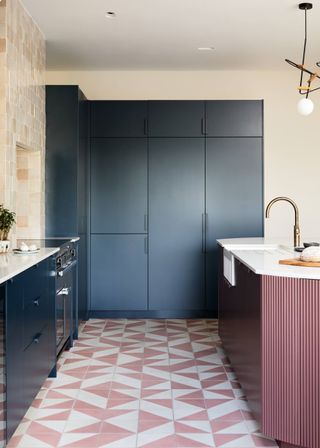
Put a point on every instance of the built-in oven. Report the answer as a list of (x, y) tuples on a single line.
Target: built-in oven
[(66, 263)]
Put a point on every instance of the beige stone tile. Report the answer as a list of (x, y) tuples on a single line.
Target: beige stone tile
[(22, 221), (22, 174)]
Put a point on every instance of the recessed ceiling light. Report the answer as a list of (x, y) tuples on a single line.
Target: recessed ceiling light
[(110, 14), (206, 48)]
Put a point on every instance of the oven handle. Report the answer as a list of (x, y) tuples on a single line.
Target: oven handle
[(64, 292), (67, 268)]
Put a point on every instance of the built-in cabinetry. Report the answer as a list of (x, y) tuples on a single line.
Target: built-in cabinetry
[(30, 343), (167, 179), (67, 158)]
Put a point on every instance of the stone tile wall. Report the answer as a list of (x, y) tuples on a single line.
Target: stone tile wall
[(22, 118)]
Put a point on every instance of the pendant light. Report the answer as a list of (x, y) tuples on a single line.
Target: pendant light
[(305, 105)]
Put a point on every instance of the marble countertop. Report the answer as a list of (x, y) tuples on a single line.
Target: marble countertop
[(262, 257), (13, 264)]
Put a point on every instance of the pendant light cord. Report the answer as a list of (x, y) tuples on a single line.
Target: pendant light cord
[(304, 50)]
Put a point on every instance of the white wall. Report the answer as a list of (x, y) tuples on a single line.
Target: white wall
[(292, 142)]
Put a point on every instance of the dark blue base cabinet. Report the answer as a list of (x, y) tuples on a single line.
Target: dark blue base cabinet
[(30, 338)]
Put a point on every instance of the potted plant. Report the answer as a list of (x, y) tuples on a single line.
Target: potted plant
[(7, 219)]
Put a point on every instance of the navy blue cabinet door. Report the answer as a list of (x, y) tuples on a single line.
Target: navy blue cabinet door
[(234, 118), (234, 198), (119, 185), (176, 259), (118, 118), (176, 119), (61, 160), (119, 272)]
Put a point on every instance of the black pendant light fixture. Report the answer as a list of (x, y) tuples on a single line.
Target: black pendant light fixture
[(305, 105)]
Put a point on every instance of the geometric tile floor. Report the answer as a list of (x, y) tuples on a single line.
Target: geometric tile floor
[(142, 383)]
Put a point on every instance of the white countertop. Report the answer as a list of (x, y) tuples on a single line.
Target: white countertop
[(262, 257), (13, 264)]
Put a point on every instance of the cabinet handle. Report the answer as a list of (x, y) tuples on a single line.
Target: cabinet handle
[(36, 302), (145, 126), (203, 233), (146, 223), (203, 127), (146, 248), (37, 337), (64, 292)]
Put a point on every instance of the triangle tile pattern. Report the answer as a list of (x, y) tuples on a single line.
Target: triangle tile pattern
[(142, 384)]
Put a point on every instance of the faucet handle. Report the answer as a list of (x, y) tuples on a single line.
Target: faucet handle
[(296, 236)]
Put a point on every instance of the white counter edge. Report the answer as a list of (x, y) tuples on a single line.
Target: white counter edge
[(265, 261), (16, 263)]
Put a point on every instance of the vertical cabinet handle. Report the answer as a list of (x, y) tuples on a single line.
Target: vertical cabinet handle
[(146, 223), (145, 126), (36, 338), (146, 248), (204, 232), (203, 126)]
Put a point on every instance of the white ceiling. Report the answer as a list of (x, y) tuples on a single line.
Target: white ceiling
[(165, 34)]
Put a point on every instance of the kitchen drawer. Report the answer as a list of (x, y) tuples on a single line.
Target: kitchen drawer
[(36, 316), (35, 281), (37, 363)]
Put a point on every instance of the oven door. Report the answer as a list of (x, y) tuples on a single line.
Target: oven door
[(64, 305), (63, 316), (60, 313)]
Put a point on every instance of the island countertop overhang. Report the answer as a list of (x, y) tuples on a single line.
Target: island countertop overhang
[(262, 257)]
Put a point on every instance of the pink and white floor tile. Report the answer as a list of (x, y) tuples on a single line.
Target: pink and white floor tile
[(142, 384)]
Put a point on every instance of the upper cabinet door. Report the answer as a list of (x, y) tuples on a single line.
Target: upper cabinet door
[(234, 118), (176, 119), (118, 119), (119, 185)]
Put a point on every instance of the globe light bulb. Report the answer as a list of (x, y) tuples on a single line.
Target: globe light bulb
[(305, 106)]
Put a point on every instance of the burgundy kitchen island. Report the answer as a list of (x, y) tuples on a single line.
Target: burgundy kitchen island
[(269, 323)]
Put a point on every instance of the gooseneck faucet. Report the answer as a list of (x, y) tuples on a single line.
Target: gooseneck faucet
[(296, 228)]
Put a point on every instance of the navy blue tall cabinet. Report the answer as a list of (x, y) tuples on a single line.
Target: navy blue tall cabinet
[(67, 158), (119, 206), (167, 179)]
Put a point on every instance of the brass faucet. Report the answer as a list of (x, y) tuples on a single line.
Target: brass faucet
[(296, 228)]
